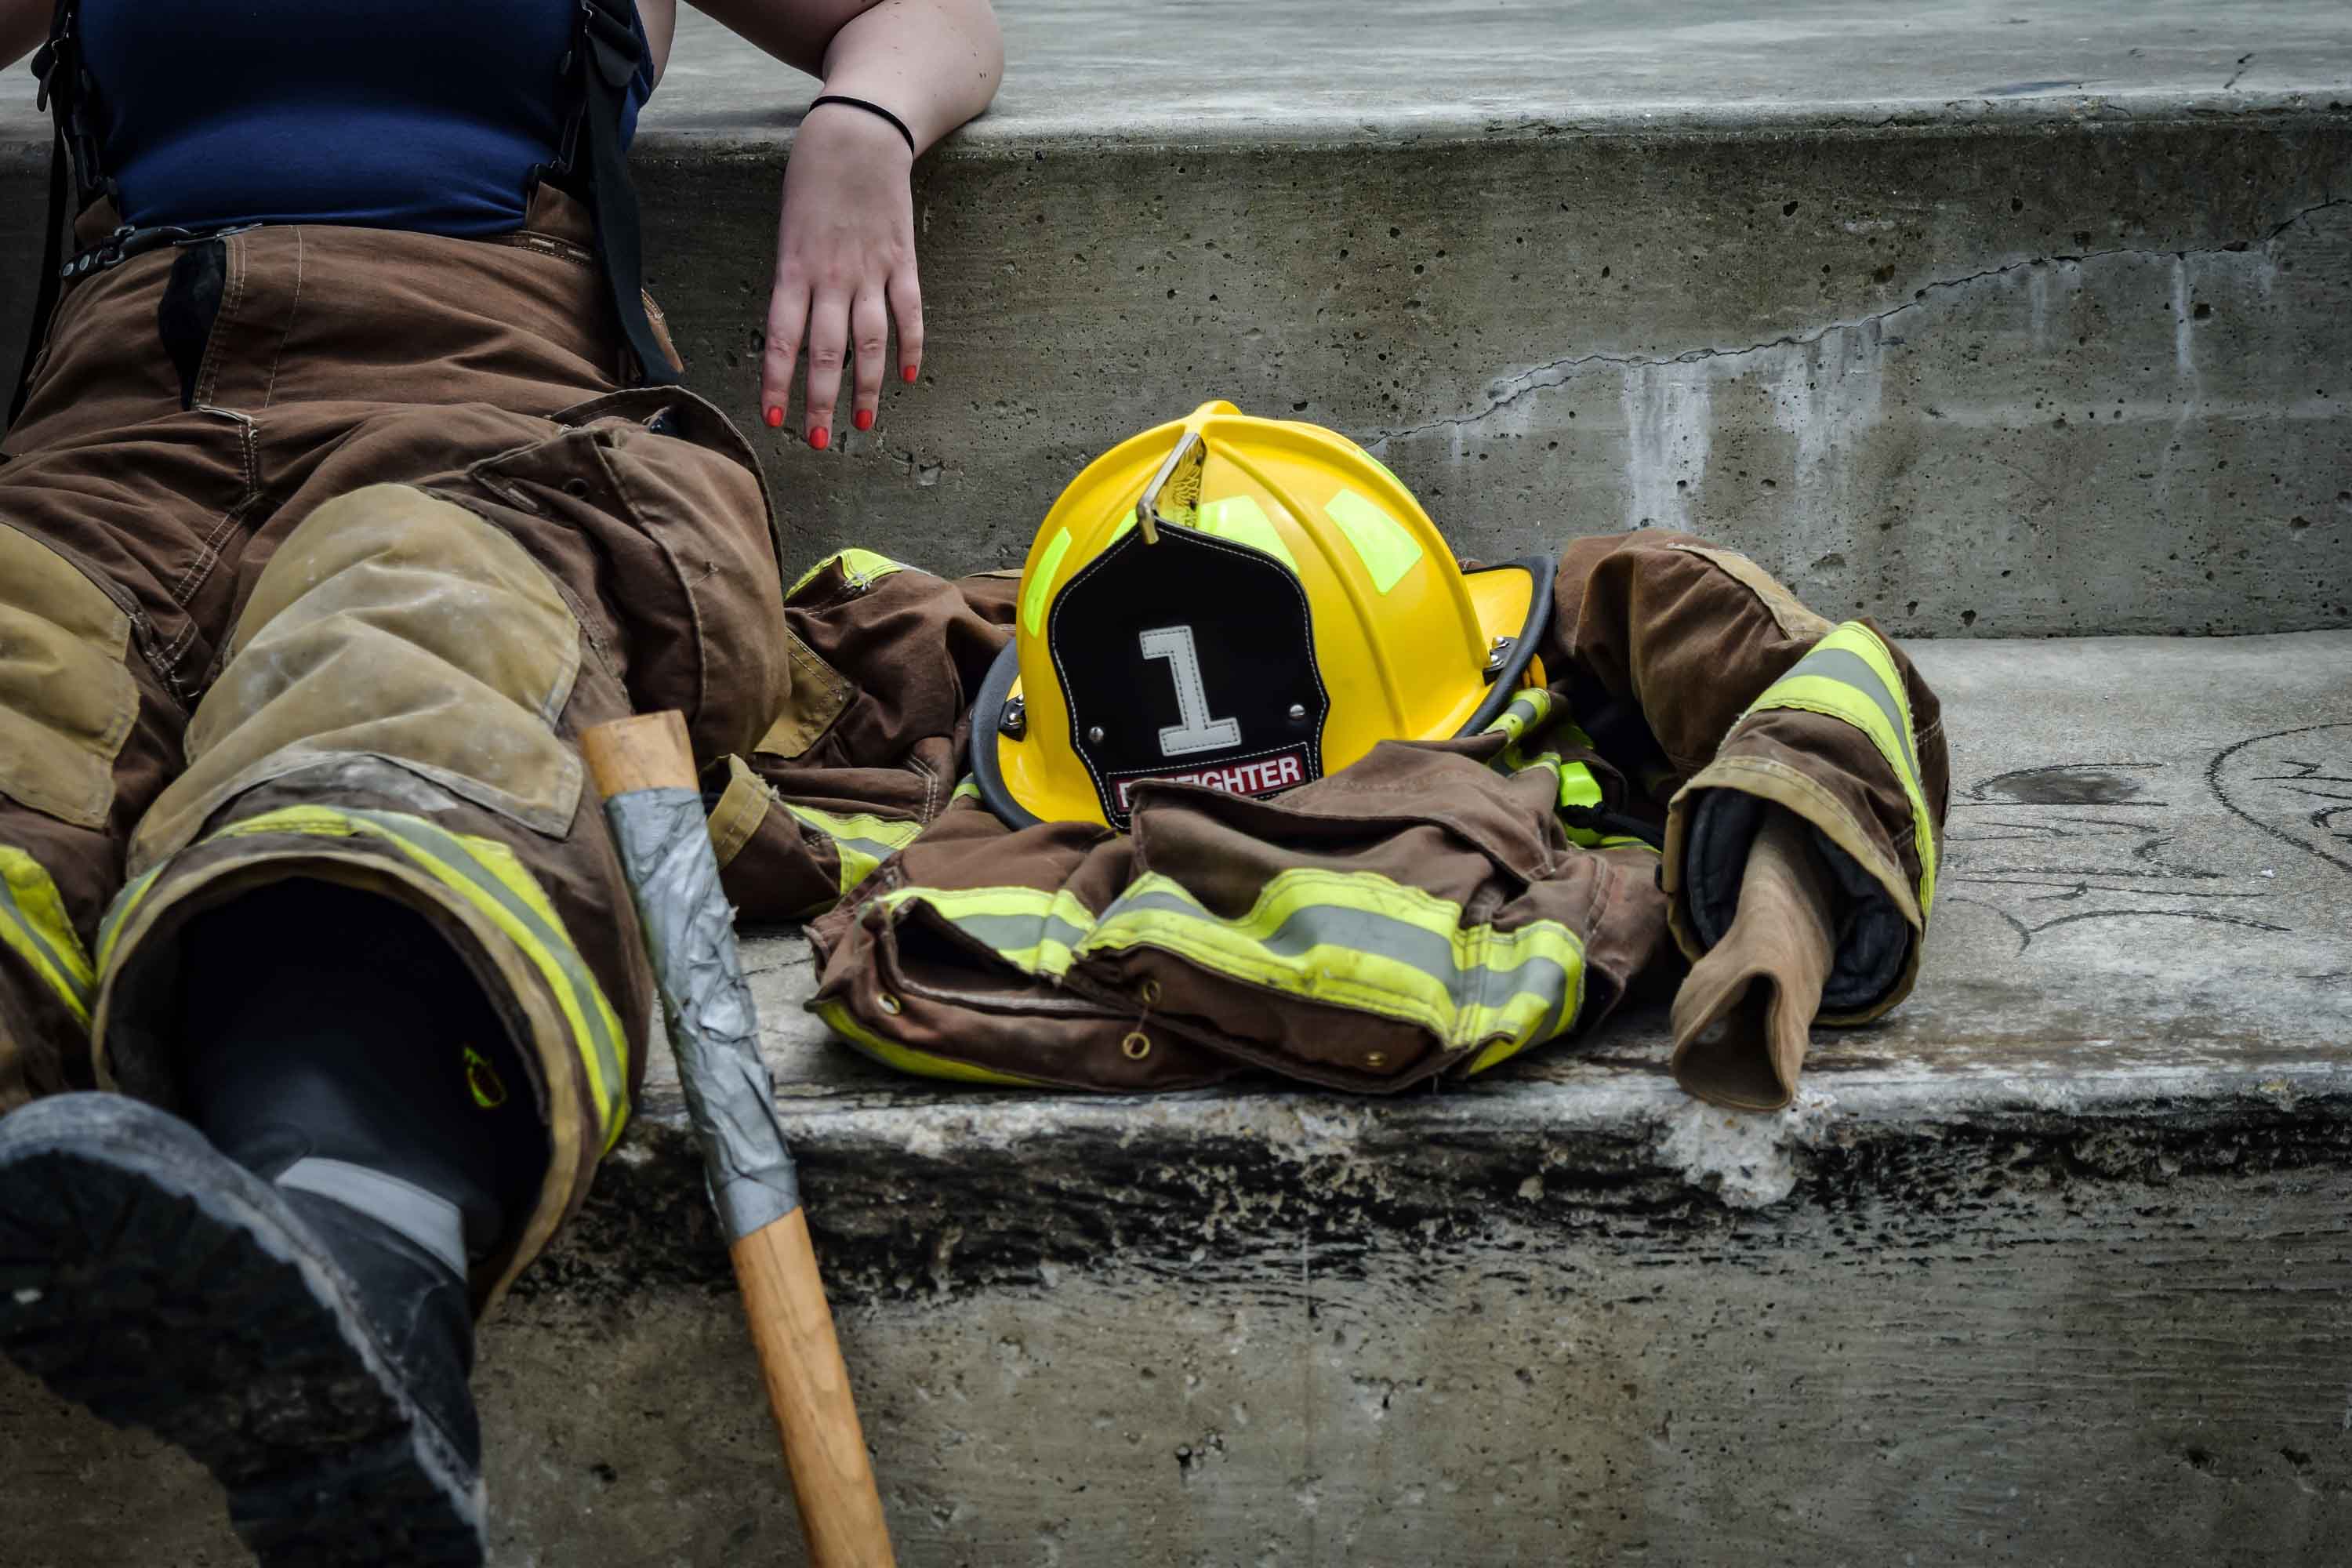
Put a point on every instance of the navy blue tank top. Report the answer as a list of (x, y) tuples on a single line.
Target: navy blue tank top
[(415, 114)]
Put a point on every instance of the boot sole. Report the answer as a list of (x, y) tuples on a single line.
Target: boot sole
[(146, 1276)]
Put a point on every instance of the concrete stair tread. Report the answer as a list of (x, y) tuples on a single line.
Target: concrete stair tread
[(2136, 910), (1985, 320), (1216, 69)]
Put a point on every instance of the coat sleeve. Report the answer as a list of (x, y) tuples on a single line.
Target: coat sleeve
[(1709, 682), (865, 757)]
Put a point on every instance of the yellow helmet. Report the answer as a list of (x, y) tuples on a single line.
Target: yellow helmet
[(1245, 604)]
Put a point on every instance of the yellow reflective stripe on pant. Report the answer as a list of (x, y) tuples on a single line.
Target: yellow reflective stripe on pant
[(1349, 939), (33, 926), (1850, 677), (488, 877), (1357, 940), (906, 1059), (1036, 933), (860, 843)]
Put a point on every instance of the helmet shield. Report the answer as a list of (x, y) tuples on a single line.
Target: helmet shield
[(1192, 659)]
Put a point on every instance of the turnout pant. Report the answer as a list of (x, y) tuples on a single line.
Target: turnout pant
[(318, 548)]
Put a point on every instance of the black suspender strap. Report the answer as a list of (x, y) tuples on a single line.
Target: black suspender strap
[(609, 55), (58, 64), (45, 297)]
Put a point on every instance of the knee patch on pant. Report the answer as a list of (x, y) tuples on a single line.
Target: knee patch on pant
[(397, 626), (67, 701)]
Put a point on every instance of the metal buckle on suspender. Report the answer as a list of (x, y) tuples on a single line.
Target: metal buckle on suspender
[(127, 242)]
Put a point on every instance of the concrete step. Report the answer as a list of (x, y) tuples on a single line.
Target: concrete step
[(1987, 317), (2051, 1267)]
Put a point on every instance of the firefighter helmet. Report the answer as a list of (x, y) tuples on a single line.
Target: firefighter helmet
[(1241, 602)]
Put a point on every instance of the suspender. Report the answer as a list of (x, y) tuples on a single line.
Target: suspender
[(604, 57), (73, 158)]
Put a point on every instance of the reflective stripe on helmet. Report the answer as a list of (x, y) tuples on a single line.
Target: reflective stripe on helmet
[(1243, 521), (1850, 676), (486, 875), (33, 926), (1039, 585), (1385, 546)]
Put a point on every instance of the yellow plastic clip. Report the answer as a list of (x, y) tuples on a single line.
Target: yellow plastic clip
[(490, 1091)]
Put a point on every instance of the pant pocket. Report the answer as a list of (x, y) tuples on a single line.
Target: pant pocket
[(652, 513), (67, 700), (396, 625)]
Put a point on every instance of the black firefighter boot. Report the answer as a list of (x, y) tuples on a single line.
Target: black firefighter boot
[(278, 1284)]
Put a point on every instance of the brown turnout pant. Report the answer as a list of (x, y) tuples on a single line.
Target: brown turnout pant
[(318, 548)]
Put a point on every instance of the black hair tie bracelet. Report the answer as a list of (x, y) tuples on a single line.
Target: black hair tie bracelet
[(896, 123)]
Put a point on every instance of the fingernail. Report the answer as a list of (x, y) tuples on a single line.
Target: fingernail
[(820, 438), (775, 418), (865, 418), (906, 373)]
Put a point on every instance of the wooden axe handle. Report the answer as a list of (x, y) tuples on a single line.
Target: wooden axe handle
[(784, 1299)]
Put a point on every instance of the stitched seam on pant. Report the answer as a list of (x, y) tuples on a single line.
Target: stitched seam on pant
[(208, 555), (232, 299), (293, 307)]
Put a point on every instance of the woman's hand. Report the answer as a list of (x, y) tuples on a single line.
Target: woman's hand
[(845, 241), (845, 269)]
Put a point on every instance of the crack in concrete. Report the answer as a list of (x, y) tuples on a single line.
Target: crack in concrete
[(1559, 371), (2243, 61)]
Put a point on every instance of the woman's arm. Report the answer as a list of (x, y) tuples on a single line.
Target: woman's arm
[(23, 25), (846, 242)]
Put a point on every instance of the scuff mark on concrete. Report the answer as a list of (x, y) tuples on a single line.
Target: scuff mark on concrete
[(1505, 391), (1667, 428), (1748, 1159)]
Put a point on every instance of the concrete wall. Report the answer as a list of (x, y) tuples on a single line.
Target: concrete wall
[(2020, 382), (1972, 378)]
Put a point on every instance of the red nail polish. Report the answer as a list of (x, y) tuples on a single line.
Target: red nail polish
[(906, 373), (865, 419), (775, 418), (820, 438)]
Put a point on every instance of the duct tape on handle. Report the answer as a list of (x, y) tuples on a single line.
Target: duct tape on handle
[(665, 848)]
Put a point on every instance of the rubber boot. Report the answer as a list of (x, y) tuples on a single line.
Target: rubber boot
[(1744, 1015), (278, 1284)]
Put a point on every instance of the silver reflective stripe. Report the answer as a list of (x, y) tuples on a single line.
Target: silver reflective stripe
[(1848, 669), (1018, 933), (1363, 931), (79, 999), (426, 1218)]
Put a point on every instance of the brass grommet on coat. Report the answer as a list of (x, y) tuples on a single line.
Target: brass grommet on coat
[(1135, 1046), (887, 1003), (1376, 1058), (1149, 992), (576, 487)]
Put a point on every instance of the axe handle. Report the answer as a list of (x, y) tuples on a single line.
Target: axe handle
[(784, 1299)]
